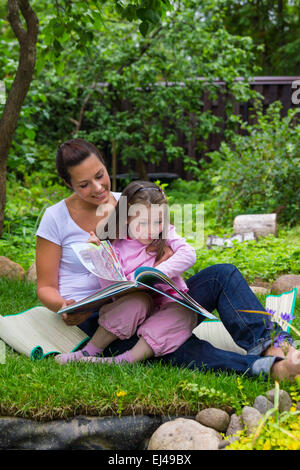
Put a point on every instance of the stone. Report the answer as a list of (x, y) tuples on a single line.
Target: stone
[(184, 434), (213, 418), (251, 417), (285, 401), (31, 273), (259, 290), (261, 224), (235, 425), (262, 404), (10, 269), (286, 283), (223, 444)]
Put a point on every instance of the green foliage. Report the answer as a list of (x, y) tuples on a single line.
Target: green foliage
[(274, 27), (26, 203), (143, 92), (260, 171), (284, 435), (265, 259)]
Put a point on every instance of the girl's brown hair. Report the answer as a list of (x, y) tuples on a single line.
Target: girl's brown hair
[(146, 193), (71, 153)]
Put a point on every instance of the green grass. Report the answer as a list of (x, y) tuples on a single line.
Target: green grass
[(45, 390)]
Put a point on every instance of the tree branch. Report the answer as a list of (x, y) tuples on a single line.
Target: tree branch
[(14, 20), (29, 16)]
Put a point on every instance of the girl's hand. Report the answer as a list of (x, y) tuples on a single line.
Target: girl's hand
[(168, 252), (72, 319), (93, 239)]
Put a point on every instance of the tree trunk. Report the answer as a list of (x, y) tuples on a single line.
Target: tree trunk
[(27, 39)]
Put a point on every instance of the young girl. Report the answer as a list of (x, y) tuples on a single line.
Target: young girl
[(161, 324)]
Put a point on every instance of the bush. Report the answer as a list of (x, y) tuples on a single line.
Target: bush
[(260, 171)]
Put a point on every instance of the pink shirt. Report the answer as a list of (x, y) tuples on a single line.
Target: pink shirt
[(132, 254)]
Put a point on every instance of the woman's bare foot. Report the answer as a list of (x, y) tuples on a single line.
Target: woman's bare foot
[(278, 351), (289, 367)]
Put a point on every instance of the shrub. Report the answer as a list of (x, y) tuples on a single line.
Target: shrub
[(260, 171)]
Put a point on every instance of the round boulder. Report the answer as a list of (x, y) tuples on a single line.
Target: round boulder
[(286, 283), (10, 269), (214, 418), (184, 434)]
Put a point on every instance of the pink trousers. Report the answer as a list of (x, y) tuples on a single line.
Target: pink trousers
[(164, 328)]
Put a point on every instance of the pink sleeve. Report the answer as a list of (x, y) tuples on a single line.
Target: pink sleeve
[(183, 258)]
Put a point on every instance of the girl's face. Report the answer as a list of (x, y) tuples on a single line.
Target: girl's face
[(90, 180), (145, 224)]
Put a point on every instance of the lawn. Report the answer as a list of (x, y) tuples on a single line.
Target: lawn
[(45, 390)]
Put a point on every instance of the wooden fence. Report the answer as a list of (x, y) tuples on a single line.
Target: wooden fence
[(271, 88)]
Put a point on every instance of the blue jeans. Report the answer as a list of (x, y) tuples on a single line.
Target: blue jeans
[(221, 287)]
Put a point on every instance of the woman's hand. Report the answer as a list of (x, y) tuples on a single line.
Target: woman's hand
[(73, 319), (168, 252)]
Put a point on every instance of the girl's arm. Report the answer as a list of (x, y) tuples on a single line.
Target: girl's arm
[(184, 255)]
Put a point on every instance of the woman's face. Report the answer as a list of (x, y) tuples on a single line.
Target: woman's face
[(90, 180)]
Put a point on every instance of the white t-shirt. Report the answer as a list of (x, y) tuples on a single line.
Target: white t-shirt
[(57, 226)]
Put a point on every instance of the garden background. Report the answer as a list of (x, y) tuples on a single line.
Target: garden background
[(134, 78)]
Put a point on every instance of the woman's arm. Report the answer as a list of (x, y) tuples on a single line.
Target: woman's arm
[(48, 256)]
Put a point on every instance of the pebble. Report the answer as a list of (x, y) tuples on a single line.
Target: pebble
[(251, 417), (235, 425), (214, 418), (262, 404), (285, 401)]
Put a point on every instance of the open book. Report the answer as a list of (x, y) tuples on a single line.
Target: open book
[(102, 261)]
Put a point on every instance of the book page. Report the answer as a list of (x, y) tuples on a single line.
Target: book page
[(100, 260)]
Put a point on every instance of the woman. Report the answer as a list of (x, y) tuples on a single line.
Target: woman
[(61, 279)]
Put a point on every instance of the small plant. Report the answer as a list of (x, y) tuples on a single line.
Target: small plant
[(274, 432), (205, 394)]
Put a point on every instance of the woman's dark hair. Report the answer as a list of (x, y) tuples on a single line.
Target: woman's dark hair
[(71, 153), (146, 193)]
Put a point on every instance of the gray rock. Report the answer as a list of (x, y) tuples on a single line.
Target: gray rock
[(262, 404), (184, 434), (251, 417), (260, 290), (235, 425), (285, 401), (223, 444), (214, 418)]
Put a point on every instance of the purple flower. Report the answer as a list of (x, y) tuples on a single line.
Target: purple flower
[(279, 341), (270, 326), (288, 317), (270, 311)]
